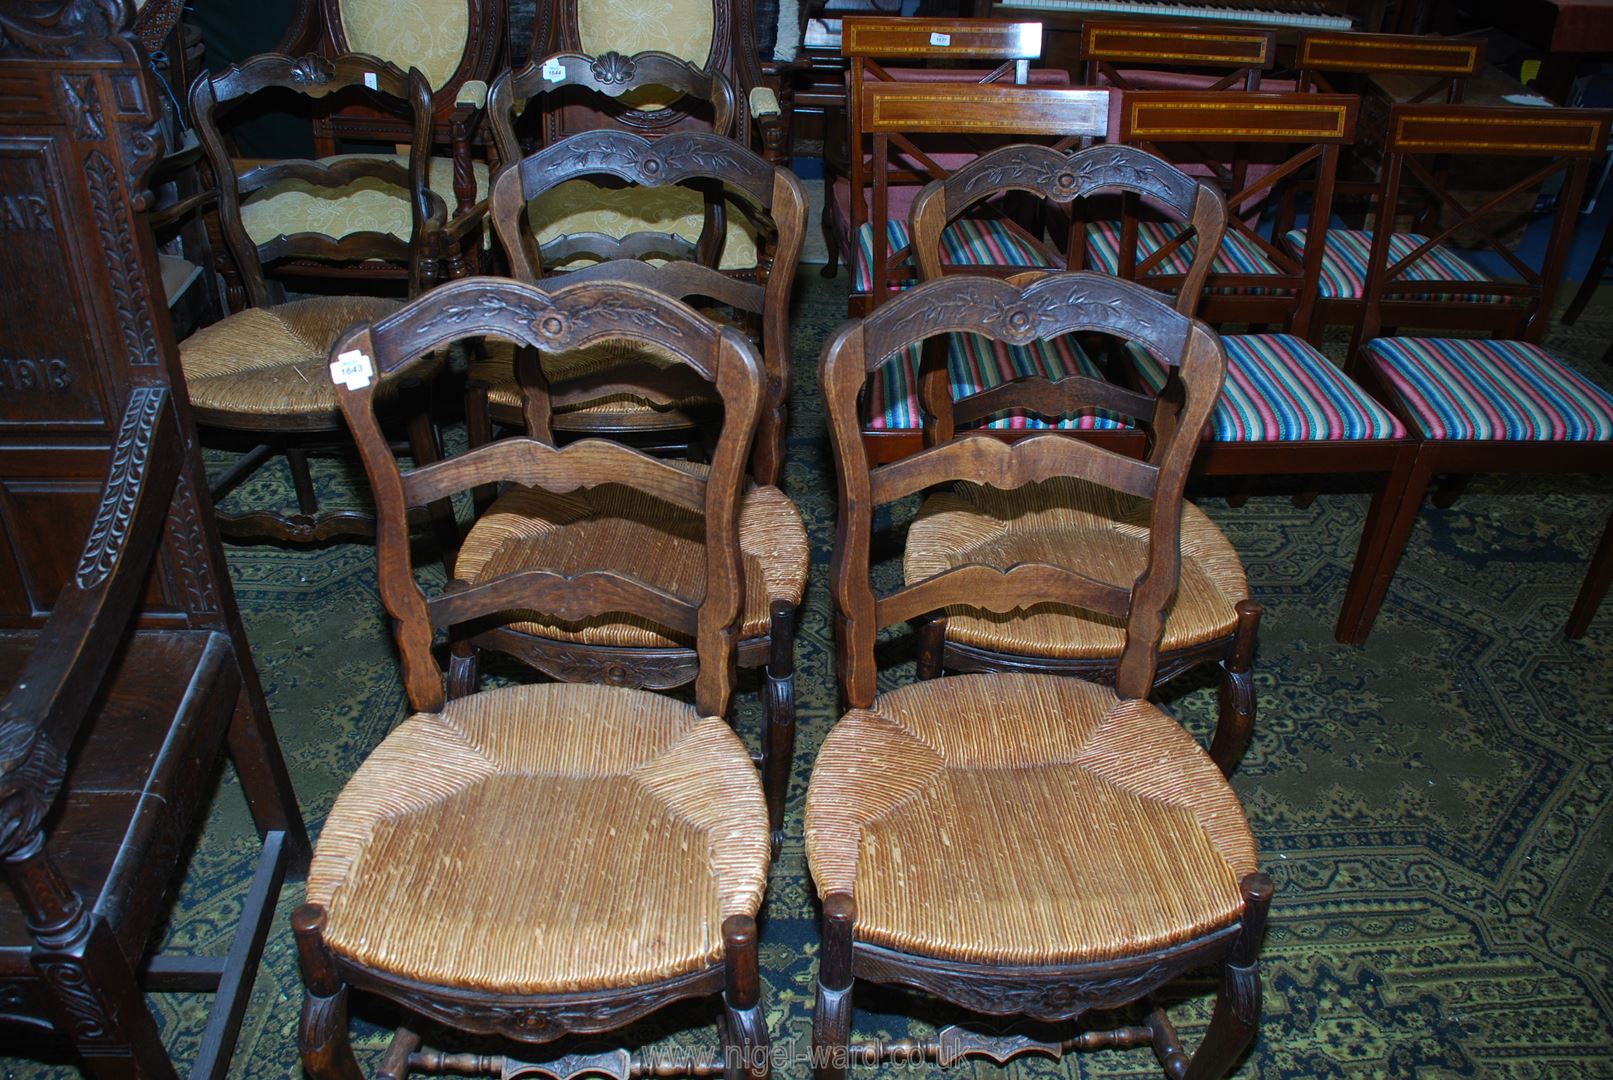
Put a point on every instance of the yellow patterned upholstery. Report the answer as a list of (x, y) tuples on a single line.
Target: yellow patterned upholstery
[(544, 839), (631, 533), (1085, 527), (1024, 819), (579, 206), (368, 205), (427, 34)]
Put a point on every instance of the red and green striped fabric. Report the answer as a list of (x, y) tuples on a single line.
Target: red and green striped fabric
[(966, 242), (1237, 255), (1345, 258), (977, 363), (1280, 389), (1474, 388)]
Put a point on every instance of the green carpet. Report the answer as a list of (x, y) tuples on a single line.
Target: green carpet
[(1436, 808)]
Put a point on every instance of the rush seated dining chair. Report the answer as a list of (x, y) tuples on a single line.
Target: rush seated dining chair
[(545, 860), (911, 50), (1214, 619), (1025, 846), (256, 374), (1500, 404)]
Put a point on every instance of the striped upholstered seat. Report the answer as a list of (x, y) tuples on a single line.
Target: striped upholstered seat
[(1237, 254), (976, 363), (1462, 388), (1344, 265), (1280, 389), (965, 242)]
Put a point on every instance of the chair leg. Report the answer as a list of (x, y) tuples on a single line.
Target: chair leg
[(1593, 277), (464, 669), (1597, 580), (302, 480), (1449, 489), (1237, 1006), (778, 731), (831, 1015), (831, 235), (271, 800), (745, 1048), (1394, 510), (324, 1039), (1236, 722), (932, 646)]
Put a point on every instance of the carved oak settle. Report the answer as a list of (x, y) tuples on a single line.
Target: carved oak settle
[(126, 669)]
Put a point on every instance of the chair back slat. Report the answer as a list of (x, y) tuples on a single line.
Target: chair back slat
[(1054, 305), (884, 38), (983, 108), (378, 84), (1242, 52), (1398, 54), (573, 315)]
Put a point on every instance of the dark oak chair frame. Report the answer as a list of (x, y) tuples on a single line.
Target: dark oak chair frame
[(1569, 140), (725, 173), (318, 24), (571, 316), (1061, 179), (868, 43), (1324, 59), (1063, 303), (295, 436)]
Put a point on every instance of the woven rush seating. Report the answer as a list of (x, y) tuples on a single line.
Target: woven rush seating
[(625, 810), (493, 367), (1086, 528), (927, 821), (657, 542)]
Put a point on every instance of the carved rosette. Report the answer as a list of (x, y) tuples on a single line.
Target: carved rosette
[(613, 69)]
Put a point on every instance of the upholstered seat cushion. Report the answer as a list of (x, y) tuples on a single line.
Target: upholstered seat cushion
[(1084, 527), (1469, 388), (579, 206), (965, 242), (1279, 388), (632, 533), (1237, 254), (544, 839), (274, 361), (1024, 819), (1348, 251), (367, 205), (494, 368), (977, 363)]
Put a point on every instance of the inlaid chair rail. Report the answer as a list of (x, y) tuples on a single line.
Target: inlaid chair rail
[(320, 77), (1446, 61), (571, 316), (1244, 53), (611, 74), (1059, 304)]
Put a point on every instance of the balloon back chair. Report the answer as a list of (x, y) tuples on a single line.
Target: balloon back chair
[(1026, 845), (556, 859)]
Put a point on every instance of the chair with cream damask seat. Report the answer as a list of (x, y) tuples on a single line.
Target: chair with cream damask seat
[(255, 375), (1026, 846), (1213, 619), (548, 860), (1500, 404), (761, 200), (458, 45)]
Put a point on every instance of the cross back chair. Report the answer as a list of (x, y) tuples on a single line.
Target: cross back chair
[(772, 205), (1417, 69), (952, 824), (1171, 54), (1213, 619), (1502, 404), (610, 845), (257, 373), (924, 51)]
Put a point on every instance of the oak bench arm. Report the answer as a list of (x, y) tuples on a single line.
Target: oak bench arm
[(41, 716)]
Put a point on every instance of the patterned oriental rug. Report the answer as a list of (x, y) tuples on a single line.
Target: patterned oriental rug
[(1435, 808)]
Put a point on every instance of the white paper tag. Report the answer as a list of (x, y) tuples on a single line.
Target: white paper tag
[(352, 369), (554, 71), (942, 40), (371, 81)]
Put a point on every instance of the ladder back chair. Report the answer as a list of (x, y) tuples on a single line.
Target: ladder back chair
[(258, 373), (1500, 404), (1414, 69), (924, 51), (610, 845), (927, 801), (770, 203), (1213, 619)]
